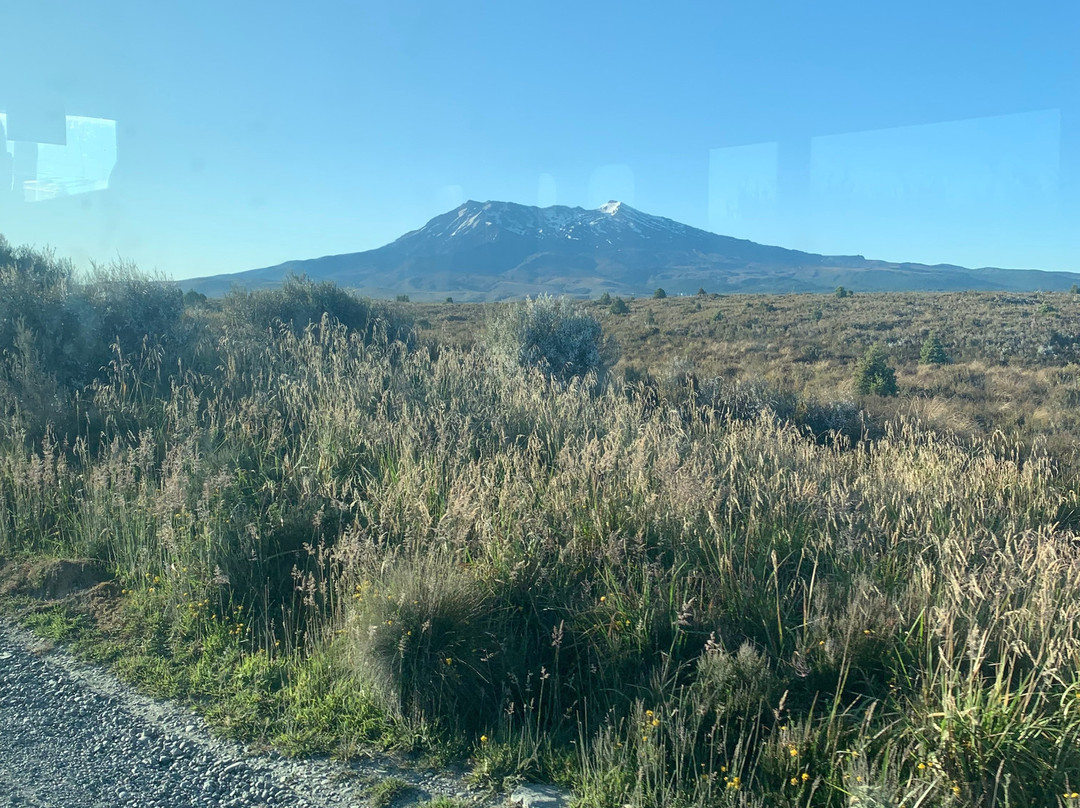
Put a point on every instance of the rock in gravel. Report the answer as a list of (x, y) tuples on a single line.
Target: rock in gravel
[(532, 795)]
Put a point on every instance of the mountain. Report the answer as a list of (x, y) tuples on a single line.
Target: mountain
[(497, 250)]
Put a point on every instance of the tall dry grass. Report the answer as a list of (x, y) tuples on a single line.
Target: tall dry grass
[(667, 607)]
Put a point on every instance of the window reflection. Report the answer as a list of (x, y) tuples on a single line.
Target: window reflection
[(742, 190), (38, 172)]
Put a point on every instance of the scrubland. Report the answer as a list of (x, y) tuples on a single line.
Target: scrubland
[(705, 572)]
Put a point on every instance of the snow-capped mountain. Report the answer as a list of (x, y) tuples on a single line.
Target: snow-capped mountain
[(494, 250), (489, 220), (614, 226)]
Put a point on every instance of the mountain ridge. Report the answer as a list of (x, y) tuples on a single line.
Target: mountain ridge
[(496, 250)]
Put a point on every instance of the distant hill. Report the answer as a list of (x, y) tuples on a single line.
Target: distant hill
[(498, 250)]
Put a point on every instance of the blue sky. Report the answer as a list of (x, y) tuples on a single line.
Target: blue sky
[(213, 137)]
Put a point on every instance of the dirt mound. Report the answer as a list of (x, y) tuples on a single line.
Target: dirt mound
[(52, 579)]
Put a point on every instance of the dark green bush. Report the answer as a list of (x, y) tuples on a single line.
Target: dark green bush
[(193, 298), (873, 376), (933, 352)]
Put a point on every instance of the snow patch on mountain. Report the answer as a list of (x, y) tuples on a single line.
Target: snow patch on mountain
[(558, 222)]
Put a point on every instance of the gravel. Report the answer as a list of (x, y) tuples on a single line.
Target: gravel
[(74, 736)]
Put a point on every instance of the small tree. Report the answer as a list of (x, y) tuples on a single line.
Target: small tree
[(619, 306), (933, 352), (873, 376), (605, 299), (701, 291), (659, 294), (841, 292)]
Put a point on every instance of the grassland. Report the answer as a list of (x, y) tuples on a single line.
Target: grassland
[(714, 576), (1013, 359)]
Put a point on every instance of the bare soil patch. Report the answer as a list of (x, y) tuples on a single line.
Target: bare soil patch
[(83, 585)]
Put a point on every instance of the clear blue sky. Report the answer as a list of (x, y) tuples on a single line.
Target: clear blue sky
[(206, 137)]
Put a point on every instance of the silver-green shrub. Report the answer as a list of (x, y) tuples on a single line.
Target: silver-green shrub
[(549, 333)]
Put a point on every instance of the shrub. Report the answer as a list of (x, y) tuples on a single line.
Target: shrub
[(933, 352), (193, 298), (128, 305), (841, 292), (300, 301), (634, 375), (659, 294), (734, 682), (619, 306), (605, 299), (701, 291), (873, 376), (548, 332), (35, 312), (1062, 346), (70, 324)]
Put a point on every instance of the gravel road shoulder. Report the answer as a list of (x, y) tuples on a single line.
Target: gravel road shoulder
[(72, 735)]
